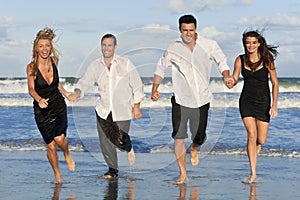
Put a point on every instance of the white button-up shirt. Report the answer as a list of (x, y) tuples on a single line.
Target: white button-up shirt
[(191, 70), (119, 88)]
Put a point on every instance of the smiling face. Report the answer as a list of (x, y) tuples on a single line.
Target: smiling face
[(252, 44), (108, 47), (43, 48), (188, 32)]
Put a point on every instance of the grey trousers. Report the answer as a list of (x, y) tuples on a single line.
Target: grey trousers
[(108, 148)]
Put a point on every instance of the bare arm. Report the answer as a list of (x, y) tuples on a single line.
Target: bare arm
[(43, 103), (275, 89), (237, 69), (68, 95), (156, 82)]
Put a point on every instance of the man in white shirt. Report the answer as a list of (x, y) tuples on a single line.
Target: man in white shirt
[(191, 63), (121, 91)]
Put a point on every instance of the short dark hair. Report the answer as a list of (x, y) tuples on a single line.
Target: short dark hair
[(108, 35), (187, 19)]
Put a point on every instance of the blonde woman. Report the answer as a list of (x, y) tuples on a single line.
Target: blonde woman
[(49, 105)]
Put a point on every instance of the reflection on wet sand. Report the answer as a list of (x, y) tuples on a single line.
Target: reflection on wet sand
[(194, 193), (56, 193), (252, 195), (111, 191)]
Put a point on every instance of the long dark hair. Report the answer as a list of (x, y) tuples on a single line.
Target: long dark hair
[(268, 53)]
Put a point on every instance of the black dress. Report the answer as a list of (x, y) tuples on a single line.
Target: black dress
[(51, 121), (255, 99)]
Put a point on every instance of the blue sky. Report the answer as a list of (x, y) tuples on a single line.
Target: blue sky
[(143, 29)]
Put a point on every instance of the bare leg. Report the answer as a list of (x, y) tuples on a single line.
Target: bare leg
[(252, 155), (250, 124), (258, 148), (257, 133), (131, 157), (180, 153), (62, 142), (53, 160), (194, 155), (262, 134)]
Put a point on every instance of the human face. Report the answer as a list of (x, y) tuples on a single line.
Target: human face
[(43, 48), (252, 44), (108, 47), (188, 32)]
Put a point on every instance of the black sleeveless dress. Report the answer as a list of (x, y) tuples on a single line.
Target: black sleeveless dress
[(51, 121), (255, 99)]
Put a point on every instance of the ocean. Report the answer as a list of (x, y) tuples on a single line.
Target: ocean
[(26, 174), (151, 134)]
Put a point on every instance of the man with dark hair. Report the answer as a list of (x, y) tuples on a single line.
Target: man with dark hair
[(190, 58), (121, 91)]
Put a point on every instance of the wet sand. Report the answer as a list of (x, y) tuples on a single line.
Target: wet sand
[(28, 175)]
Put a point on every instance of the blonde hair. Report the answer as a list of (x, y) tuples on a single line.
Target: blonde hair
[(48, 34)]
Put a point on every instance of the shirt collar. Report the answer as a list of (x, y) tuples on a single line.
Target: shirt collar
[(115, 59)]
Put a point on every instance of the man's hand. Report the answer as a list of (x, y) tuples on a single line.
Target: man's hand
[(155, 96), (136, 111), (229, 82), (76, 95)]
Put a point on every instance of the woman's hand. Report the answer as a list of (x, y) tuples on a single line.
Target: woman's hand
[(69, 96), (273, 112), (43, 103)]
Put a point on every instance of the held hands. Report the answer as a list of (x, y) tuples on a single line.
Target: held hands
[(155, 95), (76, 95), (229, 82), (69, 96)]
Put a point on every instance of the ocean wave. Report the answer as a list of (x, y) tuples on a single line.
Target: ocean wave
[(19, 85), (219, 101), (14, 92), (77, 146)]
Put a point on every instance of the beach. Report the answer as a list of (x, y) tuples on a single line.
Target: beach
[(28, 175)]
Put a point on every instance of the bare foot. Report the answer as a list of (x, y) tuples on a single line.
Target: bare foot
[(182, 179), (250, 180), (194, 156), (131, 157), (258, 148), (109, 176), (57, 180), (70, 163)]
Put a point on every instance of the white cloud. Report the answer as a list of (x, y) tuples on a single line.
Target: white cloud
[(278, 19), (213, 33), (156, 27), (182, 6), (5, 23), (176, 6), (207, 4), (288, 55), (244, 2)]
